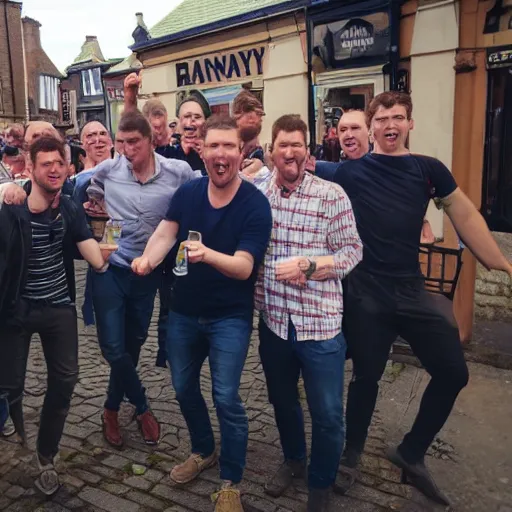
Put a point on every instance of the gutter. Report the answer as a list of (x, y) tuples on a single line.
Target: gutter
[(282, 8)]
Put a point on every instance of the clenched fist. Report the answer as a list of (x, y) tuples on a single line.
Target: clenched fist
[(141, 266)]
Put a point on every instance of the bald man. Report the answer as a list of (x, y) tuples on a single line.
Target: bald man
[(37, 129), (97, 144)]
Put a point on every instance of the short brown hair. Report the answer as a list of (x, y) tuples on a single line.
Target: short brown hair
[(154, 108), (289, 123), (218, 122), (389, 99), (134, 121), (246, 102), (46, 144)]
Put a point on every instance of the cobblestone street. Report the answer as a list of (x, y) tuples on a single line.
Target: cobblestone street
[(96, 477)]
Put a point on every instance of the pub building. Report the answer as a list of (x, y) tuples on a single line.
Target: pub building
[(316, 57), (220, 49)]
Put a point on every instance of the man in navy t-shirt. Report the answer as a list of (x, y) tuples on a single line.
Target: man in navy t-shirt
[(212, 304), (390, 190)]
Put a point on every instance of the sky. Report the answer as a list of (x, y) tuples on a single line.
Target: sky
[(65, 23)]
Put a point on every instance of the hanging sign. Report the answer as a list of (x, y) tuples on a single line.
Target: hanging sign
[(499, 57)]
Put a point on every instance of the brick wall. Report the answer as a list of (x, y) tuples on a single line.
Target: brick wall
[(493, 294), (11, 69)]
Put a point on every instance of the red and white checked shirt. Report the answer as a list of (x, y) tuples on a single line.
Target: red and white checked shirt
[(316, 220)]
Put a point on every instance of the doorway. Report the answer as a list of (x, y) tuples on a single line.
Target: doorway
[(497, 182)]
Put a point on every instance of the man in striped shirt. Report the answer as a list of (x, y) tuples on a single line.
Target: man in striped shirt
[(314, 244), (38, 240)]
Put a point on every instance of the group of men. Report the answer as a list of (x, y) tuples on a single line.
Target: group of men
[(277, 240)]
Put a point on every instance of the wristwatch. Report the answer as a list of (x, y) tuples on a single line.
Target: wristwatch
[(308, 272)]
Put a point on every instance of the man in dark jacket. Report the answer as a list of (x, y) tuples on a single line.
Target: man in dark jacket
[(38, 240)]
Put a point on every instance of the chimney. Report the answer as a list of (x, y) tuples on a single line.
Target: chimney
[(141, 32), (90, 39)]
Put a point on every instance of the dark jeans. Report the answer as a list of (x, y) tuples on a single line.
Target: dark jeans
[(225, 342), (379, 309), (123, 305), (57, 328), (164, 292), (322, 366)]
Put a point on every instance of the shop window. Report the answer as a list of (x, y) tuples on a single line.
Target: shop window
[(497, 183)]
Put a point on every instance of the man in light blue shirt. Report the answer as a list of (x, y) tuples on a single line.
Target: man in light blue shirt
[(135, 190)]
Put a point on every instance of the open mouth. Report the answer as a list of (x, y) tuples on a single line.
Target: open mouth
[(350, 144), (221, 168), (391, 136)]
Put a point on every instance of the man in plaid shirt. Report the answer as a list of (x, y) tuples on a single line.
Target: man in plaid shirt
[(314, 244)]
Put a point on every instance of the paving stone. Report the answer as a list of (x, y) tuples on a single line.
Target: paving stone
[(117, 462), (146, 500), (106, 501), (138, 482), (182, 497), (153, 475), (67, 478), (114, 488), (86, 476)]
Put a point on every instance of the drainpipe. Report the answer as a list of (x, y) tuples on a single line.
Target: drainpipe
[(27, 106), (7, 34), (311, 97)]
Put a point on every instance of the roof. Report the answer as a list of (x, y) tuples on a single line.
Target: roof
[(131, 63), (90, 51), (193, 17)]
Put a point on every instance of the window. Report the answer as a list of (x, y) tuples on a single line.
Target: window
[(48, 93), (91, 82)]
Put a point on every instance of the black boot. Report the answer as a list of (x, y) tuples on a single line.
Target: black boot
[(319, 500), (347, 474), (418, 475), (283, 477)]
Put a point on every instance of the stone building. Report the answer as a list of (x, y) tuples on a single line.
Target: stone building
[(42, 76), (13, 105)]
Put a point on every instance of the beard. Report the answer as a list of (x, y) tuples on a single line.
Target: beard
[(249, 133), (49, 189)]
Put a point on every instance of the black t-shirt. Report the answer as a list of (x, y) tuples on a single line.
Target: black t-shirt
[(389, 196), (243, 225), (193, 158)]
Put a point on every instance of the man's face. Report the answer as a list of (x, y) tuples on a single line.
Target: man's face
[(191, 121), (222, 156), (119, 144), (353, 135), (390, 129), (249, 125), (160, 130), (39, 129), (96, 142), (289, 154), (136, 148), (49, 171)]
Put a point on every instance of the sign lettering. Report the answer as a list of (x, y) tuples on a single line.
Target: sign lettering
[(499, 57), (219, 68)]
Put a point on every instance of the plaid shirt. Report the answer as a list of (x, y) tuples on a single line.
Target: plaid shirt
[(316, 220)]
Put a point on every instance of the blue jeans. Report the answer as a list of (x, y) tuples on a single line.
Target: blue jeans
[(322, 365), (123, 305), (225, 342)]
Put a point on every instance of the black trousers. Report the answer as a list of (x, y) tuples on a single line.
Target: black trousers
[(57, 328), (377, 310)]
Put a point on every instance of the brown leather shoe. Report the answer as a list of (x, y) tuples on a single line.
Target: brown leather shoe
[(190, 469), (111, 432), (149, 428), (228, 499)]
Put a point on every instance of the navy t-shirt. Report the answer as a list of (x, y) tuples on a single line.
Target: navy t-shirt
[(192, 158), (243, 225), (389, 196)]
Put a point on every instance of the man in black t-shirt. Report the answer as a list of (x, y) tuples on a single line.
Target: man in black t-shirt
[(212, 304), (390, 190), (38, 240)]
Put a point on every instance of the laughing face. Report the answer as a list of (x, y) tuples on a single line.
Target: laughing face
[(96, 142), (191, 120), (49, 171), (390, 129), (222, 156), (289, 154), (353, 134)]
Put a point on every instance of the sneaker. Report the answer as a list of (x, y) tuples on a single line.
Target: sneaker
[(111, 432), (8, 429), (192, 467), (282, 479), (227, 499), (48, 480), (149, 428)]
